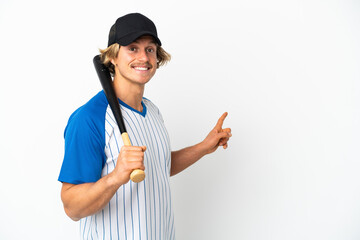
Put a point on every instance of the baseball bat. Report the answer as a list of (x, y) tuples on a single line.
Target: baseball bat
[(103, 72)]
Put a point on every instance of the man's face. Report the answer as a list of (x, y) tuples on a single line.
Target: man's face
[(137, 62)]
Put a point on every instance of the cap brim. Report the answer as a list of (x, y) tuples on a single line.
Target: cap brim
[(126, 40)]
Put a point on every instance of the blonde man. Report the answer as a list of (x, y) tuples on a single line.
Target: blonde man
[(95, 174)]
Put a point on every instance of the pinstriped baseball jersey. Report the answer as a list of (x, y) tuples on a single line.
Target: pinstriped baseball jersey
[(137, 210)]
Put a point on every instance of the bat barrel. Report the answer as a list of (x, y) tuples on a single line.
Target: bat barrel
[(106, 83)]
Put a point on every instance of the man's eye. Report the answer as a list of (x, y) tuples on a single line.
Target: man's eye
[(132, 49), (150, 50)]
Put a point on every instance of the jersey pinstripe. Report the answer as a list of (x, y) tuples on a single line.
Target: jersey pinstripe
[(137, 210)]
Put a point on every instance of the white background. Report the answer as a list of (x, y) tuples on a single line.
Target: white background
[(287, 71)]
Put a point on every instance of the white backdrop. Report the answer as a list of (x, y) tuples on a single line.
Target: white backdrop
[(286, 71)]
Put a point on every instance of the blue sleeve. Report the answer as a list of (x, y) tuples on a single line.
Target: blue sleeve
[(84, 156)]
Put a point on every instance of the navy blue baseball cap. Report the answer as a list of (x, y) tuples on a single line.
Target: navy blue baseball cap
[(130, 27)]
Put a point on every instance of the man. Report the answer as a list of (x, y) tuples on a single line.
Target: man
[(96, 168)]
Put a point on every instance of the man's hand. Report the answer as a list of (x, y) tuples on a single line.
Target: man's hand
[(183, 158), (217, 137), (85, 199), (130, 158)]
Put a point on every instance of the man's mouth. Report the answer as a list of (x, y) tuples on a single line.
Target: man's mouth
[(141, 68)]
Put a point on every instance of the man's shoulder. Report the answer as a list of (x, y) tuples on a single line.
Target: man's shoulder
[(91, 112), (149, 103), (153, 109), (96, 103)]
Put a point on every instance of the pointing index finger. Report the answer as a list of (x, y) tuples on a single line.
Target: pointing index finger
[(221, 121)]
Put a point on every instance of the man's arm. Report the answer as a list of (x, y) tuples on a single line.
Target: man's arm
[(81, 200), (184, 158)]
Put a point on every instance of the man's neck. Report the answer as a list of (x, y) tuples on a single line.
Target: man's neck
[(129, 93)]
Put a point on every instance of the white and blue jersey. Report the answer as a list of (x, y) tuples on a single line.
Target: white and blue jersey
[(92, 145)]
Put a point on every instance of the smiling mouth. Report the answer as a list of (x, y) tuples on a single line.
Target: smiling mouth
[(141, 68)]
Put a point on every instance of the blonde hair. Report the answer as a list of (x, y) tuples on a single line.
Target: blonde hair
[(106, 55)]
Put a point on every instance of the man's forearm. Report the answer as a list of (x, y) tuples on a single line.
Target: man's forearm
[(184, 158), (85, 199)]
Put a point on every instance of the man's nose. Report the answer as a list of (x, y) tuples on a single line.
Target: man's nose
[(143, 56)]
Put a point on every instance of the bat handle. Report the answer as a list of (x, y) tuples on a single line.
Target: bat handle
[(137, 175)]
